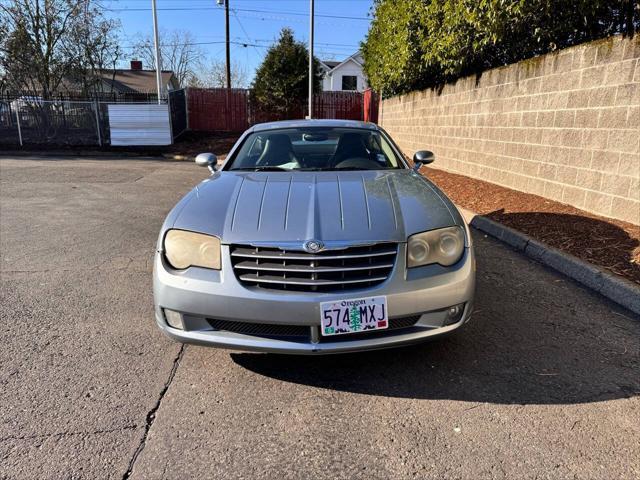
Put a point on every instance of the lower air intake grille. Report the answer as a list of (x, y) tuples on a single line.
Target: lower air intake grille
[(302, 332), (260, 329), (328, 271)]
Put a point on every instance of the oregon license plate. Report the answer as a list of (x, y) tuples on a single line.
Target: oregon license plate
[(353, 315)]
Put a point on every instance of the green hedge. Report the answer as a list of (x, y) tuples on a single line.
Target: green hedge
[(417, 44)]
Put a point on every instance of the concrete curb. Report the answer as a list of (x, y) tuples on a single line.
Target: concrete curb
[(615, 288), (177, 156)]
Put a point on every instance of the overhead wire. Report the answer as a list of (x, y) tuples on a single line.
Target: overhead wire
[(260, 14), (237, 43), (249, 10)]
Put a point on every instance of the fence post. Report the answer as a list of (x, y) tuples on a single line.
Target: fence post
[(64, 114), (186, 107), (96, 107), (18, 123), (170, 115)]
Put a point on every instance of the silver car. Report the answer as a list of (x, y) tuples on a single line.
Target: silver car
[(314, 236)]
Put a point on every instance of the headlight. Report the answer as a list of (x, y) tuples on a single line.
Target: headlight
[(184, 249), (444, 246)]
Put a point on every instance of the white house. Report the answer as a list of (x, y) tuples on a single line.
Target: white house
[(346, 75)]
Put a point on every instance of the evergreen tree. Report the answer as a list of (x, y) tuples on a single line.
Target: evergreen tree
[(281, 83)]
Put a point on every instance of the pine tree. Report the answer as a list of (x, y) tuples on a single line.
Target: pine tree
[(281, 86)]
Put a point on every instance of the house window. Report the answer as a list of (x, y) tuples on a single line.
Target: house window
[(349, 82)]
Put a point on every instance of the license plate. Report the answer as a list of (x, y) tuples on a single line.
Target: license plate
[(353, 315)]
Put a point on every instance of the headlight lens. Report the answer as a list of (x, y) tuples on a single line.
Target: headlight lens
[(184, 249), (444, 246)]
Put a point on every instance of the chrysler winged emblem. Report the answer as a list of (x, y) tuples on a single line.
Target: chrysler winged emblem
[(312, 246)]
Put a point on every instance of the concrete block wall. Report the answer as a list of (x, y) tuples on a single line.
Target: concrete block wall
[(565, 126)]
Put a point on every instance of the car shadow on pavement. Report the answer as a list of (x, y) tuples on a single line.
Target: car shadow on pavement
[(512, 371), (535, 338)]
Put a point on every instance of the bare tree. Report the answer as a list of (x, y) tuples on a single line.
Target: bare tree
[(178, 53), (212, 74), (98, 47), (49, 43)]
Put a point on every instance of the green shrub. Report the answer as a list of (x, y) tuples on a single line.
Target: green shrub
[(416, 44)]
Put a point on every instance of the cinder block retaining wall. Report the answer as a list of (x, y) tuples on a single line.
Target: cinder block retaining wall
[(565, 126)]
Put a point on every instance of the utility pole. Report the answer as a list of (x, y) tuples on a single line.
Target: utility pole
[(226, 24), (311, 72), (158, 56)]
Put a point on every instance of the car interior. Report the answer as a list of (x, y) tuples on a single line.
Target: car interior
[(315, 149)]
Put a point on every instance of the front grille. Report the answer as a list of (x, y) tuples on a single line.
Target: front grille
[(403, 322), (260, 329), (302, 332), (332, 270)]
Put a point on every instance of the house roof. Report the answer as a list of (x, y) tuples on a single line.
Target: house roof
[(129, 81), (332, 65)]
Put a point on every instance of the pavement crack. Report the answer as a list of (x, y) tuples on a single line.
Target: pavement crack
[(151, 416)]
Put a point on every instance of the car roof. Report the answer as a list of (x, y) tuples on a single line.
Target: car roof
[(313, 123)]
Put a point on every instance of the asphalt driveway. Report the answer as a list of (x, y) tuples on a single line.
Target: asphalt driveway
[(544, 383)]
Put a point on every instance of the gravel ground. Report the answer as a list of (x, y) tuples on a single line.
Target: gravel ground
[(612, 244), (543, 383)]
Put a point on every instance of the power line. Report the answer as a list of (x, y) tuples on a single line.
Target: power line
[(347, 46), (209, 1), (243, 29), (242, 44), (250, 10)]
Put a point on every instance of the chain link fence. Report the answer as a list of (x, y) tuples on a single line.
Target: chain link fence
[(8, 124), (29, 120), (33, 121)]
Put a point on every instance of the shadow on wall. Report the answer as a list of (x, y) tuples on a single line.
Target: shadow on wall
[(597, 241), (536, 338)]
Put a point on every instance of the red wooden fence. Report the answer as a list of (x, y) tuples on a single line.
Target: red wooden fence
[(339, 105), (219, 109), (370, 106)]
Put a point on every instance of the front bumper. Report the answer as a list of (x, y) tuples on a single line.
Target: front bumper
[(201, 294)]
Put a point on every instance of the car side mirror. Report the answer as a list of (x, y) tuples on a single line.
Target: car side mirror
[(423, 157), (207, 160)]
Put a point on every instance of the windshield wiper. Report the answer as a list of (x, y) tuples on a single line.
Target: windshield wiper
[(262, 169), (350, 168)]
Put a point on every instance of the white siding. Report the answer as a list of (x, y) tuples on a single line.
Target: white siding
[(326, 83), (139, 124), (333, 81)]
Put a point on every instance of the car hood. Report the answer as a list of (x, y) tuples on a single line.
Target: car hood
[(263, 208)]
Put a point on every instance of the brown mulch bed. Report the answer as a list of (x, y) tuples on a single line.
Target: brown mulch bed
[(186, 145), (608, 243), (193, 143)]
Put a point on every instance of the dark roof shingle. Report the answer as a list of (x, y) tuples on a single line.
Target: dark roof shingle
[(128, 81)]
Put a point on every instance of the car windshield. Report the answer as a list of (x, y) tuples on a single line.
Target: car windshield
[(315, 148)]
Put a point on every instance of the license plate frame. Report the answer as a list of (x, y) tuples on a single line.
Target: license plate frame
[(354, 315)]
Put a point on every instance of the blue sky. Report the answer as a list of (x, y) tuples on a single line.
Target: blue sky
[(254, 22)]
